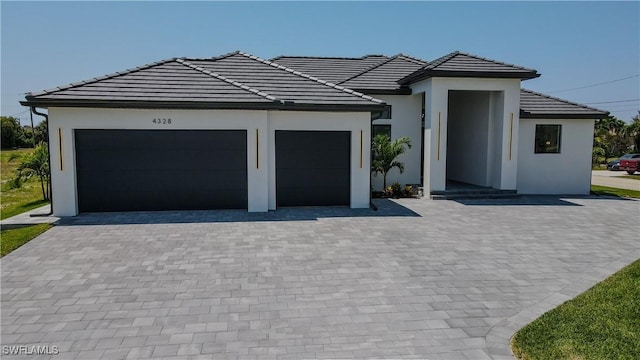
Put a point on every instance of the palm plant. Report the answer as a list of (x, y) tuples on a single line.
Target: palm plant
[(385, 153), (35, 164)]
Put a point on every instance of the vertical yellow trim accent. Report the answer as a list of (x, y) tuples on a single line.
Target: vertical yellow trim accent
[(438, 136), (257, 149), (510, 135), (60, 149), (360, 149)]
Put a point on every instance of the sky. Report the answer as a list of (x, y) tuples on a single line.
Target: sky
[(572, 44)]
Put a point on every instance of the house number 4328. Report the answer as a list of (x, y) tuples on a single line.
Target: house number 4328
[(163, 121)]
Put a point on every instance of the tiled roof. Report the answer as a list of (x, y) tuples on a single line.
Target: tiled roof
[(334, 69), (241, 80), (384, 76), (537, 105), (234, 80), (462, 64)]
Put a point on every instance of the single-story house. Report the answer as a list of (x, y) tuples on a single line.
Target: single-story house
[(238, 131)]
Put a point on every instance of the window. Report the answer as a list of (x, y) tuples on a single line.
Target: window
[(384, 114), (380, 130), (548, 139)]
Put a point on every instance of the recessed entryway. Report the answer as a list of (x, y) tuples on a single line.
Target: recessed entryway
[(313, 168), (474, 129), (133, 170)]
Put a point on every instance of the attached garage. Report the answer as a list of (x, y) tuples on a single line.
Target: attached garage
[(313, 168), (192, 134), (132, 170)]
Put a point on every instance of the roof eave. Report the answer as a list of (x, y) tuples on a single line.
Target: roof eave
[(400, 91), (199, 105), (412, 78), (528, 115)]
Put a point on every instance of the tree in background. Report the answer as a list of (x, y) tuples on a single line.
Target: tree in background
[(12, 133), (632, 130), (385, 153), (42, 135), (614, 140)]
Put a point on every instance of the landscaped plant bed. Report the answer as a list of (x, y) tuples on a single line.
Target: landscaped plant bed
[(396, 191)]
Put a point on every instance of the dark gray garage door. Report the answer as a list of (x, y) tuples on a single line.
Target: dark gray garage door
[(130, 170), (313, 168)]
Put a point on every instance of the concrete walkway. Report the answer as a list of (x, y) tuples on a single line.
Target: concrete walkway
[(417, 279), (615, 179), (25, 219)]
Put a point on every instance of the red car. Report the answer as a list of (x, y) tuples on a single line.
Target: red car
[(630, 163)]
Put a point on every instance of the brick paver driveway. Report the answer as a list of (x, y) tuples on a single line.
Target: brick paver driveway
[(418, 278)]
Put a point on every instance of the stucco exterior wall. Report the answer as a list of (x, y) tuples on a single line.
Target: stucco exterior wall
[(260, 147), (406, 111), (568, 172)]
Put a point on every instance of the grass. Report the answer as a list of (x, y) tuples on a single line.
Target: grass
[(16, 201), (14, 238), (601, 323), (609, 191)]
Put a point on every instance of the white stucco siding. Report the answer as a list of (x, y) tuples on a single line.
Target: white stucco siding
[(69, 119), (406, 111), (359, 124), (568, 172), (260, 127)]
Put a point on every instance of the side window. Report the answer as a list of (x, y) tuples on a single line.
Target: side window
[(384, 114), (548, 139), (380, 130)]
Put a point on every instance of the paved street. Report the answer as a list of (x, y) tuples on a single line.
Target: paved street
[(615, 179), (416, 279)]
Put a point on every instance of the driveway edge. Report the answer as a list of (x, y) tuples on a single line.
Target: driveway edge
[(498, 340)]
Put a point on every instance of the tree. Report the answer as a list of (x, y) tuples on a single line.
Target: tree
[(41, 131), (384, 154), (610, 134), (35, 164), (632, 130), (12, 132)]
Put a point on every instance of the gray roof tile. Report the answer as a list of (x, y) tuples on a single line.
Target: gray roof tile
[(384, 76), (333, 69), (537, 105), (237, 78), (463, 64)]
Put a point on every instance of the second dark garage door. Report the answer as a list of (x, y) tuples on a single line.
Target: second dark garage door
[(131, 170), (313, 168)]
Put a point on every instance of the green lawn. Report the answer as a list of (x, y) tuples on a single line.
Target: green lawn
[(601, 323), (14, 238), (16, 201), (609, 191)]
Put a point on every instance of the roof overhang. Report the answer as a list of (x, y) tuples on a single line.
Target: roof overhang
[(528, 115), (197, 105), (400, 91), (422, 75)]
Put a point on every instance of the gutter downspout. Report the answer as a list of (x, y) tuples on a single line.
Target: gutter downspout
[(46, 119)]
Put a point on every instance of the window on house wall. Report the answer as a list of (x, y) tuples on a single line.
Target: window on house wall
[(380, 130), (548, 139), (384, 114)]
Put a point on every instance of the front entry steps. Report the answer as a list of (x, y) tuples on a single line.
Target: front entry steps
[(461, 191)]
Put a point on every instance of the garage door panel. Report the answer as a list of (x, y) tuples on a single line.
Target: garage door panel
[(315, 159), (313, 168), (126, 170), (293, 177)]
